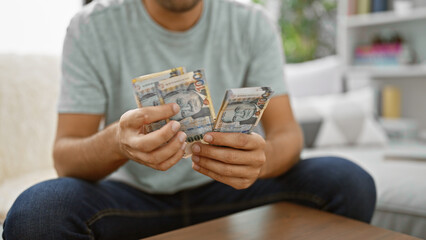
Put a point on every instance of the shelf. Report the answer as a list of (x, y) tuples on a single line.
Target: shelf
[(379, 18), (391, 71)]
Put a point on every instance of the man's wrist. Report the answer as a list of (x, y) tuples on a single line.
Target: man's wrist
[(265, 170), (116, 147)]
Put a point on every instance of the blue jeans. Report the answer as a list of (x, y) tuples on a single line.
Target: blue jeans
[(68, 208)]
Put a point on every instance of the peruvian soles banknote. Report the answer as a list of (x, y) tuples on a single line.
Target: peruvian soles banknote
[(147, 93), (242, 109), (189, 91)]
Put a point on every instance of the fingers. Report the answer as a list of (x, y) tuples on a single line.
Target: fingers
[(237, 183), (137, 117), (224, 169), (234, 140), (167, 164), (160, 149), (168, 150), (153, 140), (227, 155), (164, 157)]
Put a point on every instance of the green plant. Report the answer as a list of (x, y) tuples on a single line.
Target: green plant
[(305, 28), (308, 28), (262, 2)]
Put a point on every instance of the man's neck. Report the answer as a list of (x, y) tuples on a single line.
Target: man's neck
[(174, 21)]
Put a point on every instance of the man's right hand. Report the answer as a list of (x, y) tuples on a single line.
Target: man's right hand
[(160, 149)]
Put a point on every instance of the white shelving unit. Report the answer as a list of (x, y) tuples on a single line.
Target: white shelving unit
[(356, 29), (391, 72), (388, 17)]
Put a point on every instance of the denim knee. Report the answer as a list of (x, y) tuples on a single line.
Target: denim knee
[(351, 184), (43, 209)]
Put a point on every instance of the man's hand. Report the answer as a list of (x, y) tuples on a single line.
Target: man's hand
[(160, 149), (235, 159)]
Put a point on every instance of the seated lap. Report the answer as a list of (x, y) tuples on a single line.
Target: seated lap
[(75, 209)]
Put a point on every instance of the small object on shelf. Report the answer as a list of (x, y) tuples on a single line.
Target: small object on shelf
[(402, 6), (385, 51), (400, 130), (391, 100), (407, 56), (386, 54), (364, 6), (352, 7), (379, 5)]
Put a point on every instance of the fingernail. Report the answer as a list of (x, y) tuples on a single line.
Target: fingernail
[(196, 167), (196, 148), (182, 137), (195, 158), (175, 108), (183, 146), (175, 126), (208, 138)]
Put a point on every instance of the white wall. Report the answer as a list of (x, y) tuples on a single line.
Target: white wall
[(35, 26)]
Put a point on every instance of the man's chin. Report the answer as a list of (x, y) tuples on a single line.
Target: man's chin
[(178, 6)]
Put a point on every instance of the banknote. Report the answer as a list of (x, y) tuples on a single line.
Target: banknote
[(242, 109), (191, 93), (146, 92)]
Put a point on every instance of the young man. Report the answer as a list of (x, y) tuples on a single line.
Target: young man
[(117, 183)]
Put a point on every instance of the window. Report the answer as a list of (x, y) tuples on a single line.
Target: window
[(35, 26)]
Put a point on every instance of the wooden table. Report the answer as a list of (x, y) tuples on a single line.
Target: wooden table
[(281, 221)]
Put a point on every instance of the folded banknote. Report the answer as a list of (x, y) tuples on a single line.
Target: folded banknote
[(147, 94), (189, 91), (241, 108)]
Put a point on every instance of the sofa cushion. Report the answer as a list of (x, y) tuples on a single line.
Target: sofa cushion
[(400, 183), (322, 76), (310, 120), (347, 119), (29, 87)]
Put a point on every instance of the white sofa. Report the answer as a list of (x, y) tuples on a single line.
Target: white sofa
[(29, 87), (28, 95), (400, 183)]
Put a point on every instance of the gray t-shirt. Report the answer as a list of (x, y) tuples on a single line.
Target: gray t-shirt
[(110, 42)]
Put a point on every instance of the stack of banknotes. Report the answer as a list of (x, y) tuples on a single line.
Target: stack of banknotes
[(241, 108)]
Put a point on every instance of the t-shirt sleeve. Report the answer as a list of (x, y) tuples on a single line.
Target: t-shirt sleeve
[(82, 90), (267, 59)]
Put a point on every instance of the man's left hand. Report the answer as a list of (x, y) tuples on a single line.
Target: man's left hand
[(235, 159)]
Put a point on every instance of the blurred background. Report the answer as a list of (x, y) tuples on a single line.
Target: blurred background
[(308, 27), (35, 26), (356, 74)]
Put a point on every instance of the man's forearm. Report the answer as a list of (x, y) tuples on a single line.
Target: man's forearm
[(282, 151), (91, 158)]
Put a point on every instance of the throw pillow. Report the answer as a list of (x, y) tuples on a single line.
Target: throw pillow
[(323, 76), (347, 119)]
